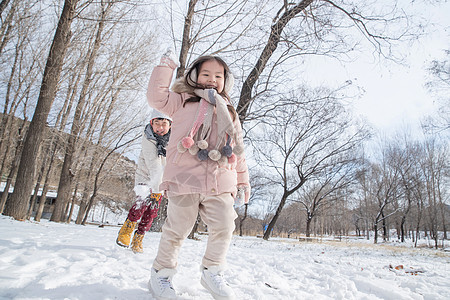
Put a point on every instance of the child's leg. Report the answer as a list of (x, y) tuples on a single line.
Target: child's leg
[(137, 209), (182, 212), (218, 214), (135, 213), (149, 214)]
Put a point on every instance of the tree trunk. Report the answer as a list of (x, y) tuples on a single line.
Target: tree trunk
[(82, 209), (42, 201), (275, 217), (375, 229), (241, 223), (419, 218), (65, 182), (403, 229), (95, 157), (271, 45), (366, 222), (442, 208), (3, 5), (97, 176), (43, 198), (14, 167), (87, 188), (308, 227), (38, 183), (72, 204), (6, 34), (17, 206), (186, 42), (7, 125)]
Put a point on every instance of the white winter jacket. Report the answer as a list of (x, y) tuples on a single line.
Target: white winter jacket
[(150, 165)]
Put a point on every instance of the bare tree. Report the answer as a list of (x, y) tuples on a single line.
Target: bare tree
[(14, 167), (407, 182), (434, 167), (55, 144), (65, 183), (439, 85), (117, 61), (382, 191), (17, 205), (3, 5), (20, 64), (186, 41), (211, 27), (303, 140), (279, 23), (406, 156), (324, 189), (96, 182), (320, 28)]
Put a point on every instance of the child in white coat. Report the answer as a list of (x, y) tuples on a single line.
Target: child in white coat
[(150, 167)]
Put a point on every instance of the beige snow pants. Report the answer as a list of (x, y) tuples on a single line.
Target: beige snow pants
[(217, 213)]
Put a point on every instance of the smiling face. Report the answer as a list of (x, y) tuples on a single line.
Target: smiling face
[(212, 75), (160, 126)]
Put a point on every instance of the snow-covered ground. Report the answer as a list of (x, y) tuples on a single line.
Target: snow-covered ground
[(48, 260)]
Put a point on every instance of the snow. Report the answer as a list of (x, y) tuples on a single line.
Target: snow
[(50, 260)]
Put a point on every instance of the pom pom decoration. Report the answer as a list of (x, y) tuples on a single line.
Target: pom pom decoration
[(202, 154), (194, 149), (180, 147), (202, 144), (187, 142), (227, 150), (238, 149), (232, 159), (214, 155)]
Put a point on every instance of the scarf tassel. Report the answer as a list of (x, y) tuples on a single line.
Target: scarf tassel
[(198, 145), (227, 150)]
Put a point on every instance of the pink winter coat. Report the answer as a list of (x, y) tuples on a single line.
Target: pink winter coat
[(185, 173)]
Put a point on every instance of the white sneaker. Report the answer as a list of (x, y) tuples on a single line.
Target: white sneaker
[(213, 281), (160, 284)]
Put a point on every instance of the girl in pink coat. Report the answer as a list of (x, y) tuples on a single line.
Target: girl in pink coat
[(205, 169)]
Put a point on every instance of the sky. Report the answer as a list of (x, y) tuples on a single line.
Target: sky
[(394, 95), (48, 260)]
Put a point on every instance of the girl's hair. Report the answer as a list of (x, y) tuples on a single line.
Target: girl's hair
[(190, 79)]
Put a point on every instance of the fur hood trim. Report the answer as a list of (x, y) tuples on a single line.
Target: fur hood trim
[(179, 86)]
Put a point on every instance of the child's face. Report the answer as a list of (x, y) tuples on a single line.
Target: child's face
[(212, 75), (160, 126)]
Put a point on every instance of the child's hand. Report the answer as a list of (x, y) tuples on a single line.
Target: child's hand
[(169, 59), (239, 200)]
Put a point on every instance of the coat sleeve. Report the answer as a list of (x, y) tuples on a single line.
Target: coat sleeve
[(158, 94), (243, 178), (150, 168)]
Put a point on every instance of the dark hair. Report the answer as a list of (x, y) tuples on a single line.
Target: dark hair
[(196, 66), (161, 119)]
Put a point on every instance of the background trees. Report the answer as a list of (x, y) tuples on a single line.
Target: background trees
[(17, 206), (304, 143), (99, 87), (307, 146)]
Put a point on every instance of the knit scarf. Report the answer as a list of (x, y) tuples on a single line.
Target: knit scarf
[(161, 140), (196, 139)]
